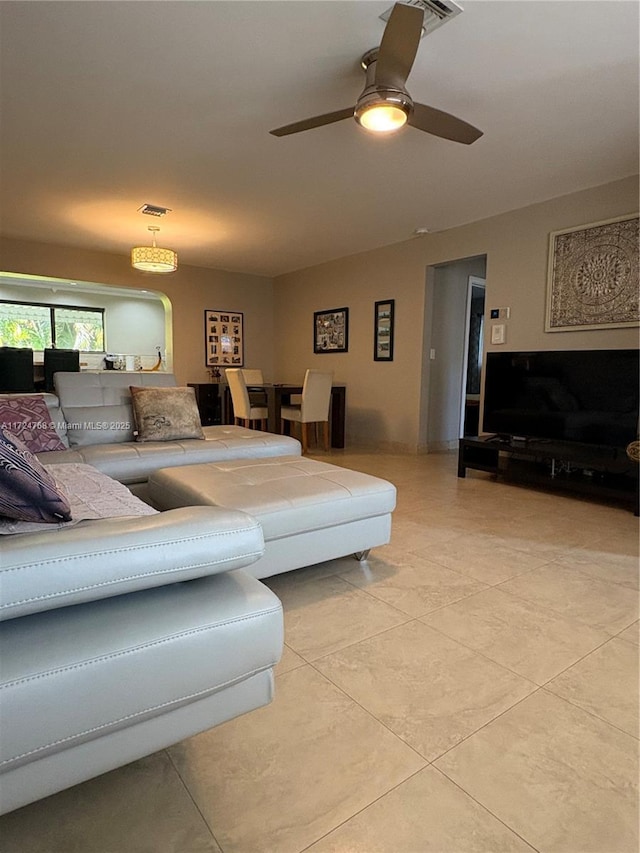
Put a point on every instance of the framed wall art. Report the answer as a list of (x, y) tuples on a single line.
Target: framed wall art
[(331, 330), (383, 330), (223, 338), (592, 280)]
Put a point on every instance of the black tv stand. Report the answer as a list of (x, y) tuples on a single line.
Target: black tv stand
[(602, 472)]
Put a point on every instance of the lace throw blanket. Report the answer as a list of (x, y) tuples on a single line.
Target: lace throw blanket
[(91, 494)]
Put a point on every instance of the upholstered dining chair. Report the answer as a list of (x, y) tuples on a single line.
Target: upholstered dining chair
[(56, 360), (243, 411), (253, 377), (314, 408), (16, 370)]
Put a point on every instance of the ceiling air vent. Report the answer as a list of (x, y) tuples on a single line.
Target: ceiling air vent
[(436, 12), (154, 210)]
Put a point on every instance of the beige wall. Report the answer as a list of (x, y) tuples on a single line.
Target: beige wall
[(517, 244), (382, 397), (384, 400), (190, 289)]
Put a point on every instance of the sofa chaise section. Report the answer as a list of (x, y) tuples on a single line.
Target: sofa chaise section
[(93, 686), (310, 511), (121, 636)]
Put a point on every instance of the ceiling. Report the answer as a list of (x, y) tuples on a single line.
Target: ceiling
[(106, 106)]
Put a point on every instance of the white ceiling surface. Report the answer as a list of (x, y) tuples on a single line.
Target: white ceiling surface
[(108, 105)]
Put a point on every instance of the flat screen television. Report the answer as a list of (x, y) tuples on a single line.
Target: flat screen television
[(586, 396)]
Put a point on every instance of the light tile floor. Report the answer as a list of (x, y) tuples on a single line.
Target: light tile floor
[(472, 687)]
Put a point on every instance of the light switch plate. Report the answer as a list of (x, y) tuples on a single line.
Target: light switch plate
[(498, 333)]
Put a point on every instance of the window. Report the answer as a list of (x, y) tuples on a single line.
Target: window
[(38, 325)]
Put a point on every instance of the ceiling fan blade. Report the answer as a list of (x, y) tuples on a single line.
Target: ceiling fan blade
[(316, 121), (443, 124), (399, 46)]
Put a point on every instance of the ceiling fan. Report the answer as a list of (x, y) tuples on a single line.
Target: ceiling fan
[(384, 104)]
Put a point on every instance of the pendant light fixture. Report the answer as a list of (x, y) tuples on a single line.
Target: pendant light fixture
[(153, 258)]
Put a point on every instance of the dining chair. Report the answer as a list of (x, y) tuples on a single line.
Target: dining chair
[(314, 407), (243, 411), (253, 377), (16, 370), (59, 360)]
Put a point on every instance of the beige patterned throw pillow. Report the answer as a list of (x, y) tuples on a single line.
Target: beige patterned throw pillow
[(165, 414)]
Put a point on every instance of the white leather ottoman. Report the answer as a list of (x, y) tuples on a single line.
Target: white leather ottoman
[(309, 511)]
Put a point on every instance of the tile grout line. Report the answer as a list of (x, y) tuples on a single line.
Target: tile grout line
[(559, 612), (363, 809), (545, 684), (371, 715), (590, 712), (486, 808), (190, 795)]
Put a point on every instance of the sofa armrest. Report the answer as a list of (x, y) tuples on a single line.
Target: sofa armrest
[(107, 557)]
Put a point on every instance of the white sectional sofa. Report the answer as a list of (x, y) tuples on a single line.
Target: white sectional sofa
[(122, 634)]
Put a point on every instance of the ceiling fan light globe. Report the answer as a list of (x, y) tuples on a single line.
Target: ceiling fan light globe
[(383, 110), (382, 118)]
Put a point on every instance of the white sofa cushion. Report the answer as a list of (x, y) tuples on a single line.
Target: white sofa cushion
[(310, 511), (139, 656), (106, 557), (132, 462), (90, 425), (288, 495)]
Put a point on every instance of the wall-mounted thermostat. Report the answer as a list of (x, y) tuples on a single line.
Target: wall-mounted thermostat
[(500, 313)]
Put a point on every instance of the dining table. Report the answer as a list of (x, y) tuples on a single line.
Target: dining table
[(279, 394)]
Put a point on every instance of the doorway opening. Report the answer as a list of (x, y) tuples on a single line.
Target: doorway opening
[(453, 350), (472, 361)]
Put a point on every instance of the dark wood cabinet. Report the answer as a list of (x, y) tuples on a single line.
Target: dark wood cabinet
[(601, 472), (209, 402)]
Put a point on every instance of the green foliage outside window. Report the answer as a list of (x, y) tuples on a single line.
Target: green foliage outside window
[(25, 326), (79, 330), (41, 326)]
